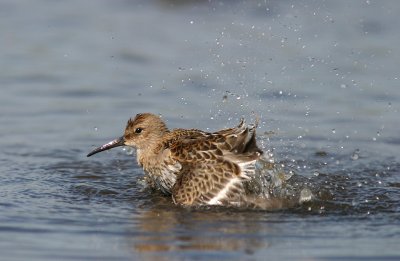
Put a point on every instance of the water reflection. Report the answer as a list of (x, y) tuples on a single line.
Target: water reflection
[(167, 229)]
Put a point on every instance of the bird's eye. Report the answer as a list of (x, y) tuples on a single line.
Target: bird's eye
[(138, 130)]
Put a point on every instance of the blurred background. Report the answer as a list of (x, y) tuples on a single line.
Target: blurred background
[(323, 76)]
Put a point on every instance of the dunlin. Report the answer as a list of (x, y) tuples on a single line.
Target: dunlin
[(194, 166)]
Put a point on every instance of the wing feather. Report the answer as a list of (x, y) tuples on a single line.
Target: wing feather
[(212, 166)]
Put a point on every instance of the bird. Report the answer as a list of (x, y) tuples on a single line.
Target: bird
[(194, 167)]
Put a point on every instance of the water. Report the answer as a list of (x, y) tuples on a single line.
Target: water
[(322, 76)]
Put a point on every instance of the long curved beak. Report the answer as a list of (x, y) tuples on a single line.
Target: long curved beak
[(112, 144)]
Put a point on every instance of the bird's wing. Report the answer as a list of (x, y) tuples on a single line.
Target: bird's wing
[(208, 184), (209, 175), (240, 139), (213, 166)]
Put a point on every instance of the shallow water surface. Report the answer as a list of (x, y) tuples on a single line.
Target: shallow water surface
[(321, 76)]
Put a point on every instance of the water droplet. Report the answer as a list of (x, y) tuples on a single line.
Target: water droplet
[(355, 154), (96, 129), (128, 150), (305, 195), (191, 22), (333, 131)]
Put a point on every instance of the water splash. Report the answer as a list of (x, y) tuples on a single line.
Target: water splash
[(270, 179)]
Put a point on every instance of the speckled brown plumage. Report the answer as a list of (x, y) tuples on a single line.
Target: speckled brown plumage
[(195, 167)]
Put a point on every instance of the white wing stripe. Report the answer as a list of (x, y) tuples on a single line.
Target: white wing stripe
[(222, 194)]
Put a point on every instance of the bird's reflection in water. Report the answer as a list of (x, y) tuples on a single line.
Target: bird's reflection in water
[(165, 229)]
